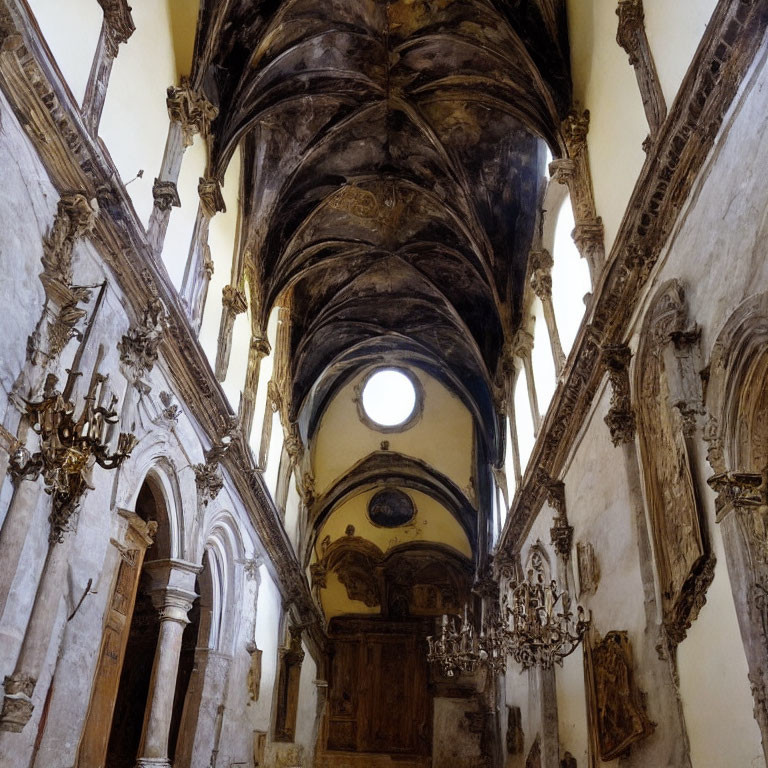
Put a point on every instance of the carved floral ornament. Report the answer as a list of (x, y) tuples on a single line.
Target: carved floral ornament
[(139, 347)]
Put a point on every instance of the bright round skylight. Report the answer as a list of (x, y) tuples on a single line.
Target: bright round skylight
[(389, 397)]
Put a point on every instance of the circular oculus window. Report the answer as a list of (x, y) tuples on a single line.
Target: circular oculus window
[(391, 508), (389, 398)]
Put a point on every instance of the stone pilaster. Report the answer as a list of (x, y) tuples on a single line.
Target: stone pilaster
[(233, 303), (541, 283), (632, 38)]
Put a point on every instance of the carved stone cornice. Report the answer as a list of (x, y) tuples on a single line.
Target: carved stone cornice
[(139, 347), (118, 23), (621, 416), (191, 110), (166, 195), (632, 38), (211, 197)]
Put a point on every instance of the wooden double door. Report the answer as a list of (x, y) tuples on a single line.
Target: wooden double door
[(378, 697)]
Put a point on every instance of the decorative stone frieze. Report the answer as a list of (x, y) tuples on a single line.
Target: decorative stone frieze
[(632, 38)]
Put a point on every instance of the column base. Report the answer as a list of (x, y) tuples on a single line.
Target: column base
[(153, 762), (17, 704)]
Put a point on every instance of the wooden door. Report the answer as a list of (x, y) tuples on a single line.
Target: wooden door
[(378, 696)]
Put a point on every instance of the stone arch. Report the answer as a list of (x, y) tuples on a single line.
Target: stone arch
[(737, 436)]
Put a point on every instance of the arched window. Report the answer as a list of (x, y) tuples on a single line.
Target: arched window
[(524, 419), (570, 278)]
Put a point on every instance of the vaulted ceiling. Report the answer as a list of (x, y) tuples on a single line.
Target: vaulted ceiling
[(393, 162)]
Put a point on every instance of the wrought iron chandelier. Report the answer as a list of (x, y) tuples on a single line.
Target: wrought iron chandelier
[(70, 446), (538, 626)]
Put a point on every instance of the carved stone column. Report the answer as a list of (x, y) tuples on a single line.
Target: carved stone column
[(541, 282), (742, 514), (199, 266), (574, 171), (172, 594), (632, 38), (542, 684), (190, 113), (657, 656), (523, 349), (116, 28), (259, 349), (233, 303), (19, 686), (561, 532)]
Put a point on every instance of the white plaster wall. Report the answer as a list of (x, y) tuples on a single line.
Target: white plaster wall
[(268, 613), (305, 717), (134, 124), (221, 239), (674, 31), (71, 30), (178, 237)]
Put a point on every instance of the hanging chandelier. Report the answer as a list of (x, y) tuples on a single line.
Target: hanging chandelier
[(460, 650), (70, 445), (538, 626)]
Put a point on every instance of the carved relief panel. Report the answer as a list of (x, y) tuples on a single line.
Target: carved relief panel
[(617, 717), (667, 402)]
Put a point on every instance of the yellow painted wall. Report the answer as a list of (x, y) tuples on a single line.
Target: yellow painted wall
[(432, 522), (443, 436), (71, 30), (183, 25)]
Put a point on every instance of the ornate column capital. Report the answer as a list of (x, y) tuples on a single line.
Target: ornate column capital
[(260, 346), (522, 344), (541, 274), (621, 416), (631, 18), (741, 490), (119, 24), (17, 703), (575, 128), (211, 197), (166, 195), (190, 109), (139, 346), (173, 603), (562, 170), (234, 299)]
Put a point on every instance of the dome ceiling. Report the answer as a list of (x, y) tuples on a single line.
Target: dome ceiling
[(393, 162)]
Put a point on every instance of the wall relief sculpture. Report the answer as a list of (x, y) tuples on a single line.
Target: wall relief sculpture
[(668, 393), (617, 717)]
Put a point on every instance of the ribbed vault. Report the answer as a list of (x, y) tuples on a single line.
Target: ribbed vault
[(393, 162)]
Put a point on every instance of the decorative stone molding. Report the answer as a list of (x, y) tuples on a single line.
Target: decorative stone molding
[(632, 38), (211, 198), (166, 195), (621, 417), (191, 110), (208, 480), (75, 218), (118, 24), (139, 346)]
